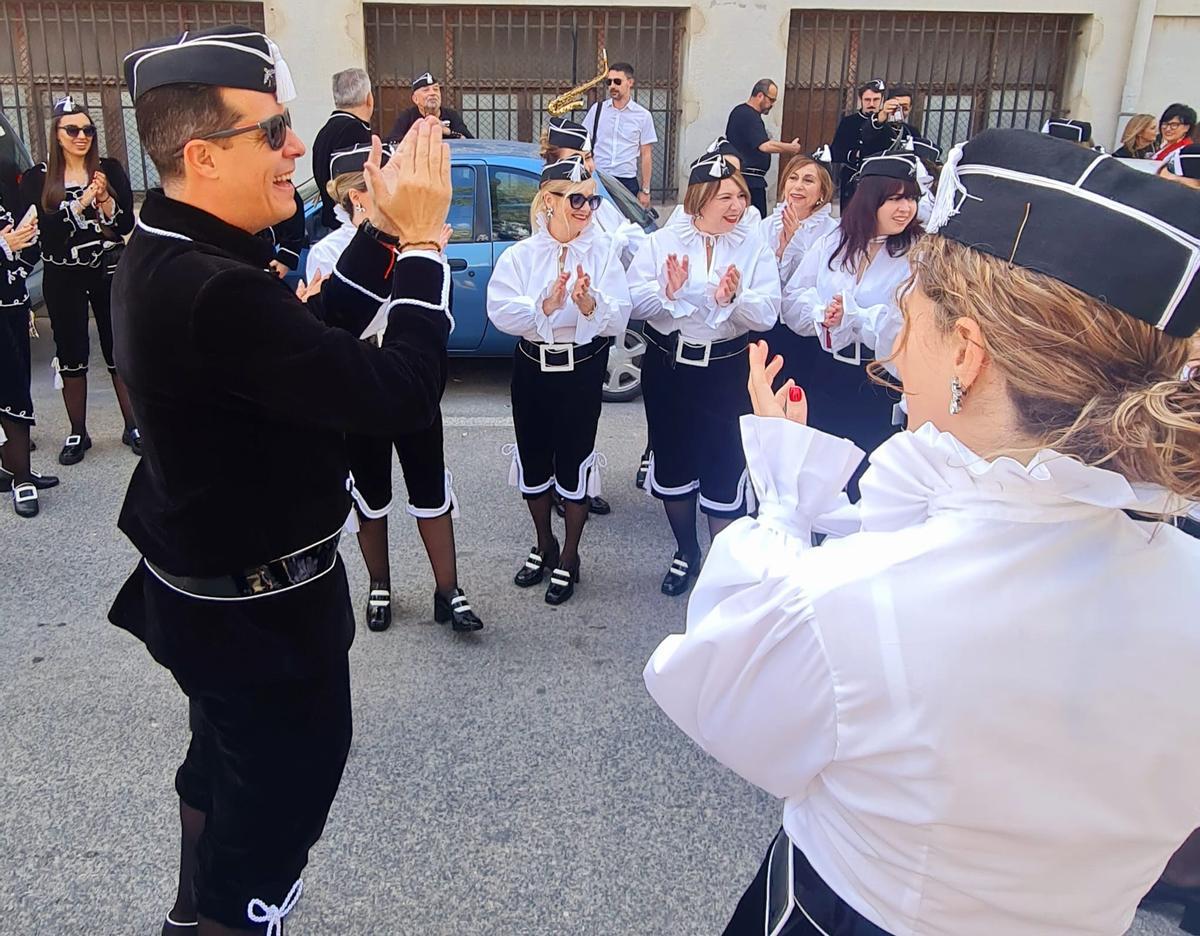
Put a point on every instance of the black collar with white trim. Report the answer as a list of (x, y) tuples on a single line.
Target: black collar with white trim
[(1124, 237), (165, 217)]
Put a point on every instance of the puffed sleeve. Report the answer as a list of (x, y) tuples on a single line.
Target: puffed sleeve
[(749, 680), (756, 305), (610, 288), (803, 305), (646, 290), (513, 305), (877, 326)]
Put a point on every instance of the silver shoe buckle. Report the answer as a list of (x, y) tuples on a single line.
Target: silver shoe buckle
[(547, 349), (694, 362)]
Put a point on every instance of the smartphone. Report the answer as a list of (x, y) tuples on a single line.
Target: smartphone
[(29, 216)]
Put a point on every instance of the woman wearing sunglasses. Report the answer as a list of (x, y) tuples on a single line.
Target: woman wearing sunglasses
[(431, 500), (563, 292), (85, 210), (702, 283)]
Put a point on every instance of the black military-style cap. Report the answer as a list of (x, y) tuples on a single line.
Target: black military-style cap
[(722, 145), (223, 57), (354, 158), (1185, 161), (928, 151), (1122, 236), (1075, 131), (423, 80), (890, 165), (711, 167), (570, 169), (64, 106), (566, 134)]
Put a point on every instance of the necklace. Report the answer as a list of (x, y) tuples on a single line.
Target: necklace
[(878, 240)]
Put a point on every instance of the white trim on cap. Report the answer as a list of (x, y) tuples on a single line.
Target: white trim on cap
[(909, 159), (579, 171), (195, 43), (1188, 241), (386, 153), (1071, 124)]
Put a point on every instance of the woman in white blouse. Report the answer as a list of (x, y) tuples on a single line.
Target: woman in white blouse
[(431, 499), (842, 300), (702, 283), (977, 705), (563, 292)]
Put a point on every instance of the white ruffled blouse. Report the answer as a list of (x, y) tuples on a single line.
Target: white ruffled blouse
[(524, 274), (811, 230), (979, 708), (694, 312), (871, 309), (629, 236)]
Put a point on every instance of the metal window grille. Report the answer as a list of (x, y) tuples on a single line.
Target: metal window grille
[(967, 71), (499, 66), (48, 49)]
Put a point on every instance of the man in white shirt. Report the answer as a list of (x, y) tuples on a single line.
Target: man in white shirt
[(622, 133)]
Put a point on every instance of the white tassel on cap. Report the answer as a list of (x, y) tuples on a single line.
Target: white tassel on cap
[(951, 193), (823, 154), (577, 170), (67, 105), (285, 88), (718, 167)]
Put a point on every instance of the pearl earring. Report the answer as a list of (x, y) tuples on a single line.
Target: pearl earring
[(956, 396), (359, 209)]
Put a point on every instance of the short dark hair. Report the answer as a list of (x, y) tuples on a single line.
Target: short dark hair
[(623, 67), (762, 86), (874, 84), (901, 92), (170, 116), (1181, 112)]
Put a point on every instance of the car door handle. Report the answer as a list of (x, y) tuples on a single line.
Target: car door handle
[(458, 263)]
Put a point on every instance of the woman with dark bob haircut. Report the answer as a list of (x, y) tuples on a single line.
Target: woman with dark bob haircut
[(842, 298), (1177, 125)]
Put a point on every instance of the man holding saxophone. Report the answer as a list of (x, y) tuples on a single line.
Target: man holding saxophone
[(622, 133)]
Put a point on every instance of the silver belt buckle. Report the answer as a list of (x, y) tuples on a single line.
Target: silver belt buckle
[(547, 367), (683, 342)]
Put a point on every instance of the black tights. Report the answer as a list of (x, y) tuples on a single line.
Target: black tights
[(74, 393), (577, 515), (15, 452), (437, 533), (681, 514)]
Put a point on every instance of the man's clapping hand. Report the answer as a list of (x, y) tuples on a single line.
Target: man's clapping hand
[(411, 194)]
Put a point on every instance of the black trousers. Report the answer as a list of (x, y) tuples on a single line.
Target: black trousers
[(758, 198), (68, 291), (15, 401), (831, 915), (631, 184), (264, 765)]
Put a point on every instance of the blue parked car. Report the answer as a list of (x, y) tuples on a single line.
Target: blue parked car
[(494, 184)]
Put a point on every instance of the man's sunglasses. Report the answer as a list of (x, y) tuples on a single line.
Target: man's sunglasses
[(577, 200), (614, 81), (275, 128), (88, 131)]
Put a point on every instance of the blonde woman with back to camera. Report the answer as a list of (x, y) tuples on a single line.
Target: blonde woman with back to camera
[(977, 703)]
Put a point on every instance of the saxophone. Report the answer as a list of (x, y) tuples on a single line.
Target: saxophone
[(574, 99)]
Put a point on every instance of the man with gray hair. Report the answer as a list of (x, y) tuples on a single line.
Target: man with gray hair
[(349, 125)]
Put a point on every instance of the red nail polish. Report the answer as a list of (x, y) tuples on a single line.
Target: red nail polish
[(795, 395)]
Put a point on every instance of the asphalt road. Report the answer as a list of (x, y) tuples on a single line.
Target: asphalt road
[(517, 782)]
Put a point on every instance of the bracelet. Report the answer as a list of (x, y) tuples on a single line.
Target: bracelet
[(389, 240), (424, 245)]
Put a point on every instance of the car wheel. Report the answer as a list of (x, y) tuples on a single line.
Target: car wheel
[(623, 382)]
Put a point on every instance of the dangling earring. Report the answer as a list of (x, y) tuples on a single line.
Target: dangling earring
[(956, 396), (359, 209)]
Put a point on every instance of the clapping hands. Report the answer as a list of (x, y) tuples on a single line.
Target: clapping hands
[(728, 287), (557, 297), (411, 194), (581, 295), (834, 312), (676, 272)]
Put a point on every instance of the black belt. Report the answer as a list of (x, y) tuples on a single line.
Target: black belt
[(274, 576), (751, 171), (561, 357), (695, 353)]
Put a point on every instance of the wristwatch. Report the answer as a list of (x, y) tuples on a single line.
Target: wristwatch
[(645, 191)]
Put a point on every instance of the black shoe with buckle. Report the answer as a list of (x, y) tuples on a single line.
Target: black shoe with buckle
[(599, 506), (562, 584), (25, 500), (679, 577), (40, 481), (534, 569), (379, 607), (457, 610), (132, 438), (74, 448)]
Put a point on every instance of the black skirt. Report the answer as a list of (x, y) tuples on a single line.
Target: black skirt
[(15, 400)]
